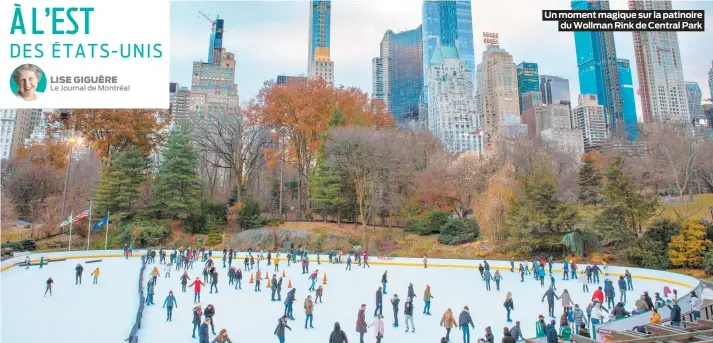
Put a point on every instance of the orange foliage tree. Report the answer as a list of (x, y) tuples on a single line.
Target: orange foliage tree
[(50, 152), (302, 112), (111, 130)]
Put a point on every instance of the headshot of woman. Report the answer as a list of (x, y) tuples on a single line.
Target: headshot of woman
[(28, 82)]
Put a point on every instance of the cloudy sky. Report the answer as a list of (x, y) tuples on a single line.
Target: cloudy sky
[(269, 38)]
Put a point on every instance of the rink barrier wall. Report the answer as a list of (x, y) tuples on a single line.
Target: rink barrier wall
[(667, 277), (133, 334)]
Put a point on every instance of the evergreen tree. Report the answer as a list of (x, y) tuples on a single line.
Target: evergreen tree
[(121, 179), (177, 188), (687, 249), (538, 208), (590, 180), (325, 189), (233, 196), (625, 208)]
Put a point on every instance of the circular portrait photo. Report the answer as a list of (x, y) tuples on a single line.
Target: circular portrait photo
[(28, 82)]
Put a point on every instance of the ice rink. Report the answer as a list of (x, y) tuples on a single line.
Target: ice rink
[(106, 312)]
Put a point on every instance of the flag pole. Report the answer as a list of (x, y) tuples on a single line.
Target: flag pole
[(71, 218), (89, 226), (106, 240)]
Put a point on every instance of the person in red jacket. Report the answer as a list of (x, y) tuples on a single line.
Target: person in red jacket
[(598, 295), (198, 283), (366, 259)]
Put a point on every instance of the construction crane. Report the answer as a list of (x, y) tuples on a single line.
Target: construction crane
[(212, 21)]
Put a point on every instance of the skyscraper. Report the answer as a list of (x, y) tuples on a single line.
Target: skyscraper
[(380, 68), (589, 119), (452, 111), (658, 62), (216, 41), (496, 95), (555, 90), (213, 87), (596, 59), (710, 80), (377, 79), (528, 80), (626, 84), (695, 97), (319, 63), (450, 23), (403, 74)]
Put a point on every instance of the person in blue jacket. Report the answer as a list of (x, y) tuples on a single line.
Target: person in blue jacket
[(203, 333), (551, 332), (149, 293), (565, 275), (169, 304), (622, 289), (541, 276)]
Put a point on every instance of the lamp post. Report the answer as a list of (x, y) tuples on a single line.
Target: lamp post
[(479, 133), (282, 164), (71, 141)]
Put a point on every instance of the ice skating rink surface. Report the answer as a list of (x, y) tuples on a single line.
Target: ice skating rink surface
[(106, 311)]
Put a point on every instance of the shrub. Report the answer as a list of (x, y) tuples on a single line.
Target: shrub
[(433, 221), (414, 226), (214, 238), (23, 245), (249, 215), (459, 231), (152, 235), (195, 223), (708, 262)]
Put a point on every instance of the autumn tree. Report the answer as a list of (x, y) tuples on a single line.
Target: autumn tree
[(177, 187), (111, 130), (687, 249), (302, 111), (492, 205), (590, 180), (50, 152)]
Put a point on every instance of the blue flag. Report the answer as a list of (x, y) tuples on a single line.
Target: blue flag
[(103, 222)]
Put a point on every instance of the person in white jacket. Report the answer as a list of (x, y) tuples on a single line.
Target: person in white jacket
[(695, 302), (585, 282), (599, 316), (378, 324)]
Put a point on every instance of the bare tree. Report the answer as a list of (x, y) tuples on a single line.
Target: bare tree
[(232, 143)]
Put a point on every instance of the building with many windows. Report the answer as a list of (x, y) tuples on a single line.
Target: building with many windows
[(215, 46), (554, 128), (446, 23), (319, 62), (451, 105), (17, 126), (286, 80), (397, 75), (596, 60), (695, 97), (660, 70), (213, 87), (528, 80), (626, 85), (555, 90), (710, 81), (497, 94), (589, 119)]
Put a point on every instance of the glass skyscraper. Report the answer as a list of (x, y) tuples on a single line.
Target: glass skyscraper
[(528, 79), (447, 23), (555, 90), (320, 18), (694, 96), (596, 59), (405, 74), (626, 84), (216, 42)]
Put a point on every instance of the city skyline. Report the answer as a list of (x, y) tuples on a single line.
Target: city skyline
[(358, 27)]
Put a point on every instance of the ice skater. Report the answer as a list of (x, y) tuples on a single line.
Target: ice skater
[(289, 299), (395, 304), (497, 278), (379, 303), (27, 262), (149, 293), (425, 261), (378, 325), (184, 281), (197, 314), (319, 294), (349, 263), (465, 323), (258, 277), (427, 300), (168, 304), (361, 326), (209, 312), (167, 270), (509, 306), (384, 282), (155, 274), (238, 279), (197, 283), (313, 279), (309, 307), (95, 274), (280, 329), (448, 323), (408, 314), (203, 332), (78, 274), (550, 295), (49, 283), (273, 287)]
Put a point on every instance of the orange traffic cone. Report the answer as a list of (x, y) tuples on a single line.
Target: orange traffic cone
[(251, 278), (283, 274), (324, 282), (266, 275), (268, 283), (289, 284)]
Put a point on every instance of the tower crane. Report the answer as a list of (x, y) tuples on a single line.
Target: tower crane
[(212, 21)]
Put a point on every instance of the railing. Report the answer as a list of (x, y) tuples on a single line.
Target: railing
[(133, 335)]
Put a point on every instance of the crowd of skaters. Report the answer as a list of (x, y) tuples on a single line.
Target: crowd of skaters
[(573, 318)]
